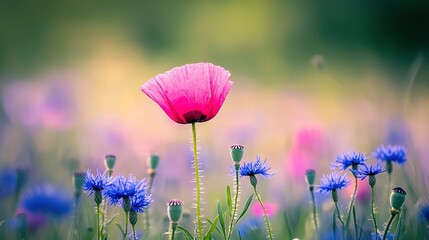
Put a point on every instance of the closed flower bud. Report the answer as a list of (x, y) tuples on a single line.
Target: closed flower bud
[(109, 161), (397, 198), (133, 218), (152, 162), (78, 181), (310, 176), (98, 197), (237, 152), (174, 210)]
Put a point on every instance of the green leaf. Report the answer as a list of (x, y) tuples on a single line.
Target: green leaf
[(212, 228), (211, 223), (111, 219), (239, 234), (229, 200), (120, 228), (221, 219), (188, 235), (1, 222), (246, 207)]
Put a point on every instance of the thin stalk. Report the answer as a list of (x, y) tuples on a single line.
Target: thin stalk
[(75, 218), (173, 231), (339, 214), (146, 213), (339, 218), (373, 213), (352, 205), (134, 232), (265, 213), (314, 208), (355, 222), (98, 222), (392, 216), (126, 224), (197, 182), (104, 206), (234, 209)]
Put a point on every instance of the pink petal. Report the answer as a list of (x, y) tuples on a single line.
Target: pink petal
[(190, 93)]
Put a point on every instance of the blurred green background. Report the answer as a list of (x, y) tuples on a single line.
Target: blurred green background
[(312, 79), (271, 41)]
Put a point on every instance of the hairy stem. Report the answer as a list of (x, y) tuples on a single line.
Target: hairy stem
[(352, 205), (374, 219), (234, 208), (265, 213), (126, 225), (392, 216), (197, 182), (314, 209), (98, 222)]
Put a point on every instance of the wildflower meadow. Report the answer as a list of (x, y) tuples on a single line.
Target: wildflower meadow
[(214, 121)]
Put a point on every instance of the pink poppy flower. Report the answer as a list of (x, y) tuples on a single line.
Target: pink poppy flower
[(190, 93)]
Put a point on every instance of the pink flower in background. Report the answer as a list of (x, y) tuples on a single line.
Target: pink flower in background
[(48, 103), (190, 93), (271, 209), (306, 151)]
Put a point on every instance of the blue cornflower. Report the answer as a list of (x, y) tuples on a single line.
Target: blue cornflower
[(122, 188), (7, 182), (424, 212), (140, 201), (333, 182), (390, 236), (255, 168), (366, 170), (348, 159), (47, 200), (391, 153), (96, 183)]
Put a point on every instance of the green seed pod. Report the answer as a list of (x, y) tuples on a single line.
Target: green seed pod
[(397, 198), (310, 176), (389, 167), (78, 181), (98, 197), (109, 161), (126, 204), (152, 161), (133, 218), (253, 180), (334, 195), (237, 152), (372, 181), (174, 210)]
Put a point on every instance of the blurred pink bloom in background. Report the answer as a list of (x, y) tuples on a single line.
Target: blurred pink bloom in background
[(306, 152), (190, 93), (271, 209), (48, 103)]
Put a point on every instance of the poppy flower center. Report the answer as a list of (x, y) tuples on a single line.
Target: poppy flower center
[(194, 116)]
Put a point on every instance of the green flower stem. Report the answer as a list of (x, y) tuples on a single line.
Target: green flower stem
[(197, 182), (98, 222), (146, 213), (134, 232), (351, 207), (126, 225), (104, 206), (75, 217), (392, 216), (265, 213), (314, 208), (373, 213), (234, 209), (339, 214), (173, 229)]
